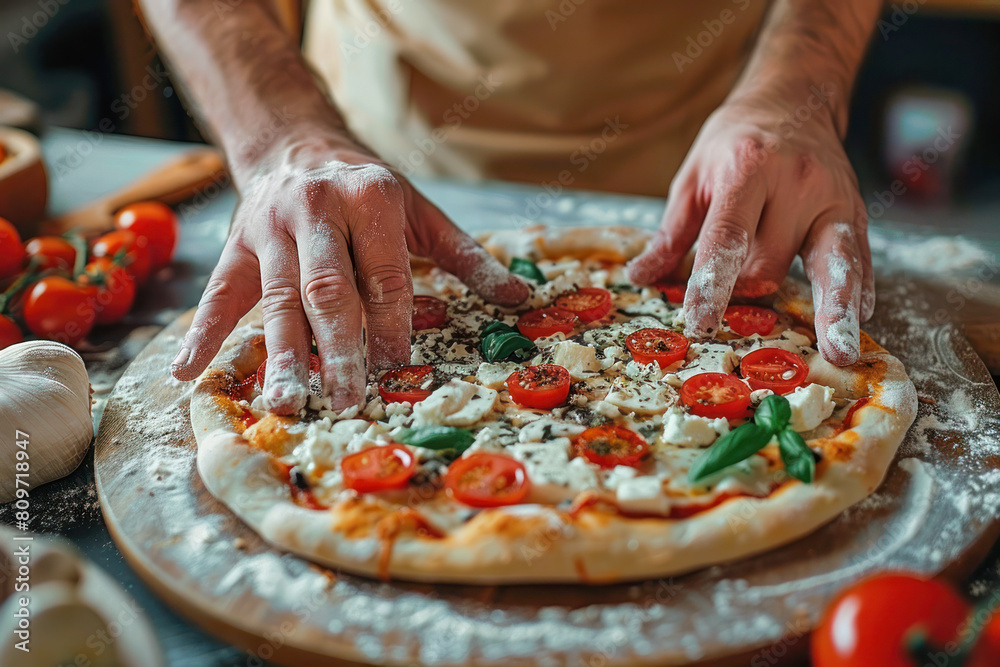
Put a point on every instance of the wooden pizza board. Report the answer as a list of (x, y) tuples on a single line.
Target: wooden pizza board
[(935, 513)]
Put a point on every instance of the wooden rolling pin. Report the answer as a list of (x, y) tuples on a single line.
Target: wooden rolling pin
[(178, 180)]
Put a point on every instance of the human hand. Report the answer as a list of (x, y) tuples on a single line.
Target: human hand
[(755, 190), (321, 236)]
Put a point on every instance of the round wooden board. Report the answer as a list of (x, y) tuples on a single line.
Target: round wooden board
[(936, 512)]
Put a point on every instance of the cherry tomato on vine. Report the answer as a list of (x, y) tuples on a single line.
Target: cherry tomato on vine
[(10, 333), (715, 395), (487, 480), (51, 252), (870, 624), (379, 468), (541, 387), (115, 289), (135, 250), (156, 222), (11, 250), (587, 303), (609, 446), (60, 309)]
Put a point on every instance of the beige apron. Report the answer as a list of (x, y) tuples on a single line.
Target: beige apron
[(595, 94)]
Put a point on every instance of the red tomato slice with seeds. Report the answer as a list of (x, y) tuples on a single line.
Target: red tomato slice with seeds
[(609, 446), (780, 371), (587, 303), (487, 480), (379, 468), (546, 322), (715, 395), (314, 380), (663, 346), (750, 320), (541, 387), (411, 384), (429, 313), (674, 291)]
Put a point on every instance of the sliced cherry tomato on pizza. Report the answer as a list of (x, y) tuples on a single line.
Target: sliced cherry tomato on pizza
[(115, 289), (541, 387), (411, 384), (157, 223), (11, 250), (314, 369), (133, 249), (663, 346), (715, 395), (379, 468), (51, 252), (429, 313), (587, 303), (546, 322), (870, 624), (674, 291), (487, 480), (60, 309), (750, 320), (771, 368), (609, 446), (10, 333)]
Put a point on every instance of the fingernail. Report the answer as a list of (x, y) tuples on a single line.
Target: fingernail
[(182, 358)]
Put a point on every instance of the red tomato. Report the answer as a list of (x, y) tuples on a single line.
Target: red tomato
[(609, 446), (750, 320), (674, 291), (379, 468), (314, 367), (135, 251), (663, 346), (11, 250), (546, 322), (60, 310), (487, 480), (115, 289), (155, 222), (987, 650), (780, 371), (868, 625), (408, 383), (716, 395), (429, 313), (542, 387), (588, 303), (10, 333), (52, 252)]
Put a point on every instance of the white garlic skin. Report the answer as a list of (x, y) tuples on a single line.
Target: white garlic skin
[(44, 393)]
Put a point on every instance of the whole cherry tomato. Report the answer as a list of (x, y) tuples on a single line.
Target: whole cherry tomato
[(115, 289), (134, 251), (11, 250), (870, 624), (51, 252), (10, 333), (60, 310), (157, 223)]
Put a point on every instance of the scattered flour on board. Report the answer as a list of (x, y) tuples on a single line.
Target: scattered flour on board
[(935, 254)]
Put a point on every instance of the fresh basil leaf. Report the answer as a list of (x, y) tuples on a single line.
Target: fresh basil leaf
[(494, 327), (773, 413), (796, 455), (520, 266), (735, 446), (436, 437), (499, 346)]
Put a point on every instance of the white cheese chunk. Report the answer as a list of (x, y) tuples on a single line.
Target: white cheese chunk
[(705, 358), (810, 406), (550, 431), (554, 477), (684, 430), (644, 398), (495, 375), (327, 442), (580, 360), (642, 495), (457, 403)]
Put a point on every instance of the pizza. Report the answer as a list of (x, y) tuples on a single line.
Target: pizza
[(579, 437)]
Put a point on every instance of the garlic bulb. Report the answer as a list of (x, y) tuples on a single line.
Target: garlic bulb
[(45, 421)]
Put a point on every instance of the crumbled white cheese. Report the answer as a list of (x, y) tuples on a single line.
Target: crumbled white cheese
[(580, 360), (650, 372), (685, 430), (554, 477), (495, 375), (326, 443), (457, 403), (789, 340), (614, 477), (705, 358), (810, 406), (642, 495), (549, 430), (640, 397), (758, 395), (548, 341)]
